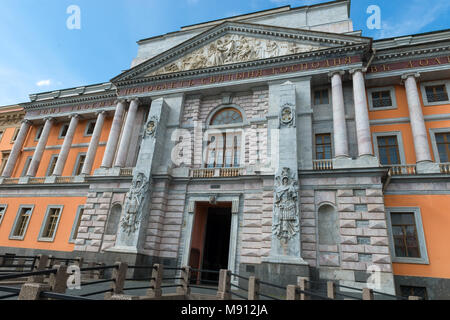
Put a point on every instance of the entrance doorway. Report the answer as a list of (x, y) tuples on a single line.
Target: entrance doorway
[(210, 241)]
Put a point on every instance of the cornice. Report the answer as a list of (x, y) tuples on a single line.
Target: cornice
[(300, 57), (245, 28), (411, 51), (68, 101)]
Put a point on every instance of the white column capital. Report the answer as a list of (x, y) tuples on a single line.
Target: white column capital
[(135, 100), (50, 119), (360, 69), (411, 74), (75, 115), (26, 121), (120, 100), (334, 72), (100, 112)]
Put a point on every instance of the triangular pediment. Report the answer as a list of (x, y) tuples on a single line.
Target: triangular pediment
[(236, 42), (234, 48)]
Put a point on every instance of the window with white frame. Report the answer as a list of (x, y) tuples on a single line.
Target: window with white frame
[(2, 212), (321, 96), (407, 235), (435, 93), (38, 133), (223, 147), (21, 222), (79, 164), (50, 224), (26, 166), (52, 165), (15, 134), (76, 225), (90, 126), (382, 98), (63, 131)]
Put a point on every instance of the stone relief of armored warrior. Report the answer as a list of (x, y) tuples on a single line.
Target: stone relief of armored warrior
[(133, 204), (286, 220)]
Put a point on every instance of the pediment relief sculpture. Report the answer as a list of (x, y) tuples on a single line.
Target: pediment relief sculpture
[(233, 49)]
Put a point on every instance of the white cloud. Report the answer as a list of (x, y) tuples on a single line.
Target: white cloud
[(413, 20), (43, 83)]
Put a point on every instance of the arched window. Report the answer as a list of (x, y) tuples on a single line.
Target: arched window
[(224, 149), (227, 116)]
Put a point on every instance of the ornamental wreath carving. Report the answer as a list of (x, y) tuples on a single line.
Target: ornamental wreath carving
[(287, 115), (133, 204), (150, 127), (286, 221)]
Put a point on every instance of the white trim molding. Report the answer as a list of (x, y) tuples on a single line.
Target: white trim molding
[(420, 235), (401, 148), (190, 219), (434, 146), (45, 221), (16, 220), (393, 98), (434, 83)]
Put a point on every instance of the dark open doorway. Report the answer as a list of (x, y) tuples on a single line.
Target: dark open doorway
[(210, 241)]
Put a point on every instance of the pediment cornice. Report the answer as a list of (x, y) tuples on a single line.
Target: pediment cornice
[(323, 39)]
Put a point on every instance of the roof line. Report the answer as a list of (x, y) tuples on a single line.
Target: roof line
[(268, 11), (413, 35)]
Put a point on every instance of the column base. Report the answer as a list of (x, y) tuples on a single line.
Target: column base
[(107, 172), (428, 167), (24, 180)]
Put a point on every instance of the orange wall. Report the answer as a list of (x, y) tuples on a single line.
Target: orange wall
[(66, 222), (53, 140), (405, 128), (436, 222), (5, 142)]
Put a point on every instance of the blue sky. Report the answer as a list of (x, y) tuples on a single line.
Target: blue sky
[(39, 53)]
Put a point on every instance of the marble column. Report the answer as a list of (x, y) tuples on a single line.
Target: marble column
[(363, 133), (37, 156), (92, 150), (419, 130), (130, 123), (114, 134), (62, 157), (17, 148), (339, 122)]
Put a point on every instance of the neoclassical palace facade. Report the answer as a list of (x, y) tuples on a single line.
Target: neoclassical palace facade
[(279, 143)]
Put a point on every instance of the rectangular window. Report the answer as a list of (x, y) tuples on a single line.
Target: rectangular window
[(51, 220), (404, 232), (90, 128), (323, 146), (388, 150), (51, 166), (79, 164), (408, 291), (224, 150), (63, 131), (21, 224), (1, 135), (76, 225), (381, 99), (407, 238), (2, 212), (321, 97), (14, 137), (443, 145), (38, 133), (436, 93), (5, 156), (26, 166)]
